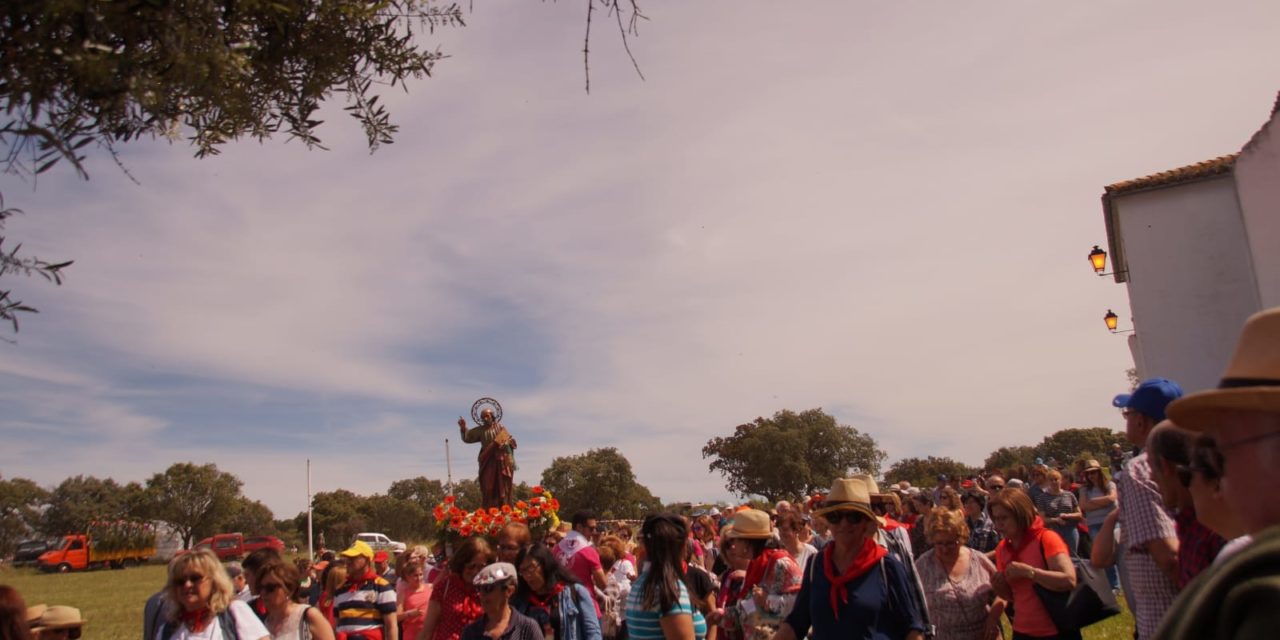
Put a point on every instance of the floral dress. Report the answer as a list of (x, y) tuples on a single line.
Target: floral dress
[(957, 607), (781, 584)]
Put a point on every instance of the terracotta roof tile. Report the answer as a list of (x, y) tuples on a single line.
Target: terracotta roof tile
[(1206, 169)]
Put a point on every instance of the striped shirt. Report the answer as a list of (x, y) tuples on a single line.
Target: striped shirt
[(361, 608), (644, 624)]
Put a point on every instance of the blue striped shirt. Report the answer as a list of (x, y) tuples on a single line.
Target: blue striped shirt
[(362, 608), (643, 624)]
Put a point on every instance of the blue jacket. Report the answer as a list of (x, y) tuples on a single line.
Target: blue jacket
[(578, 619)]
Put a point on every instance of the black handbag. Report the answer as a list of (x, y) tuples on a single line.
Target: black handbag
[(1091, 601)]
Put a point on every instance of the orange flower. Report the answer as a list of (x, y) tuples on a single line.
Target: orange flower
[(522, 505), (555, 504), (537, 488), (506, 508), (438, 513), (479, 512), (493, 511)]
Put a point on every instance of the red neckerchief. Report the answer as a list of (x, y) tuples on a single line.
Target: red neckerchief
[(354, 582), (867, 557), (757, 569), (260, 607), (196, 620), (542, 602), (1032, 534), (890, 524)]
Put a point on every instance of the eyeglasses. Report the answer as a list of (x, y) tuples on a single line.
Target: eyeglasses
[(489, 588), (194, 579), (1227, 446), (697, 527), (270, 587), (853, 517)]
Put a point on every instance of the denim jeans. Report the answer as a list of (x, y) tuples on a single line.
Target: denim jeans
[(1113, 576), (1070, 535)]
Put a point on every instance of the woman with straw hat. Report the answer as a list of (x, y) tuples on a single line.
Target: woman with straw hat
[(773, 578), (58, 622), (853, 589)]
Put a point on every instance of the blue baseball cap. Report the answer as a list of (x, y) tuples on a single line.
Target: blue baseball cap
[(1150, 398)]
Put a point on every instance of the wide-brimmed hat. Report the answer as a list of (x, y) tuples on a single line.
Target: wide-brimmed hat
[(34, 612), (1092, 465), (1251, 382), (359, 548), (751, 524), (848, 494), (58, 617)]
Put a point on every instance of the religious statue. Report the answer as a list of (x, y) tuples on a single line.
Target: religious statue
[(497, 452)]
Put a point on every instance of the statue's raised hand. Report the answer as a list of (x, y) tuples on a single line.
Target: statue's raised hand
[(462, 424)]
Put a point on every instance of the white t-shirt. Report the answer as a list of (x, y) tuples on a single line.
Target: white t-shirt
[(248, 626)]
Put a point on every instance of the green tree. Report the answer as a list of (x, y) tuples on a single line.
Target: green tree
[(79, 500), (924, 472), (1068, 445), (791, 454), (600, 480), (20, 503), (401, 519), (251, 518), (194, 500), (84, 74), (339, 515), (1006, 458)]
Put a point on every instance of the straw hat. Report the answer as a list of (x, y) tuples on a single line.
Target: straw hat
[(1251, 382), (34, 612), (751, 524), (1091, 465), (848, 494), (59, 617)]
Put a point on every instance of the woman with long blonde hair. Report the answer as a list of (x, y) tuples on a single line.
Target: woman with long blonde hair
[(201, 600)]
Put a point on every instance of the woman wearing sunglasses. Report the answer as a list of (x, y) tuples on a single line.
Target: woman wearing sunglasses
[(773, 577), (278, 584), (201, 600), (554, 598), (1097, 501), (853, 588)]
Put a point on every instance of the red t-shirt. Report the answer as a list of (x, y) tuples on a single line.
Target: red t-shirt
[(583, 565), (1031, 617)]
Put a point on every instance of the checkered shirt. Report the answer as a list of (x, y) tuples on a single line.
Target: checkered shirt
[(1198, 545), (1143, 519)]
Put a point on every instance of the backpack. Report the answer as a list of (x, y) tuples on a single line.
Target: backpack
[(226, 622), (610, 610)]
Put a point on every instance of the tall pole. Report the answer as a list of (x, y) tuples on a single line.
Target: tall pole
[(448, 465), (311, 546)]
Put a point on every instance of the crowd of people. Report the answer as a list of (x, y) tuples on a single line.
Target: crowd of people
[(1186, 526)]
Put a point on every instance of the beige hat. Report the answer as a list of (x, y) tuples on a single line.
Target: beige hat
[(34, 612), (848, 494), (1251, 382), (58, 617), (751, 524), (1090, 465)]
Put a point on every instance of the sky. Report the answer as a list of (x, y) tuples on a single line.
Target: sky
[(882, 209)]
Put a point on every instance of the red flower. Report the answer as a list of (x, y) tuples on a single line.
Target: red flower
[(455, 522), (537, 488), (465, 531), (555, 504), (449, 499), (522, 505), (506, 508), (535, 512)]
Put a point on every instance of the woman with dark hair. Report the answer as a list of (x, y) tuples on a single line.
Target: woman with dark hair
[(455, 603), (278, 585), (13, 615), (550, 594), (737, 558), (659, 605), (1029, 555), (704, 532), (922, 503)]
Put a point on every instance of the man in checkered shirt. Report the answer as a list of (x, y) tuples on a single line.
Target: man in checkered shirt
[(1148, 533)]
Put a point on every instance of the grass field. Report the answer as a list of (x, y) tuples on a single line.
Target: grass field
[(112, 600)]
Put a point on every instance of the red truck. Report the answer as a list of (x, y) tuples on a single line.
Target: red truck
[(80, 551), (235, 546)]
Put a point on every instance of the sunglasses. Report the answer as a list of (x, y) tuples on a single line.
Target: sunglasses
[(194, 579), (853, 517), (1186, 472), (271, 587)]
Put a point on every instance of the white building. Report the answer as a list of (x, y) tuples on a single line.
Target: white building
[(1199, 250)]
